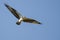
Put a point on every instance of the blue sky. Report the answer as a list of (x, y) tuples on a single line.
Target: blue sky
[(45, 11)]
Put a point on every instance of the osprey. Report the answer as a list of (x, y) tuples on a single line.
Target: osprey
[(20, 17)]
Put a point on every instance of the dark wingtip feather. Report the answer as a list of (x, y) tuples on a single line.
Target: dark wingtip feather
[(39, 23), (5, 4)]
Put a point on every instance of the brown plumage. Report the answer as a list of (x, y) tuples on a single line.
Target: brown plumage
[(20, 17)]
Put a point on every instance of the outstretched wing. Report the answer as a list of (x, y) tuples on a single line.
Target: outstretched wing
[(30, 20), (13, 11)]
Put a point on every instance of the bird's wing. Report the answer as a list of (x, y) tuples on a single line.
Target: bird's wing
[(30, 20), (13, 11)]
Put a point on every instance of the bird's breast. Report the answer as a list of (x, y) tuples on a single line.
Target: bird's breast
[(20, 19)]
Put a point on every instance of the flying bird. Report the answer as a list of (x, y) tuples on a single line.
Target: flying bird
[(20, 17)]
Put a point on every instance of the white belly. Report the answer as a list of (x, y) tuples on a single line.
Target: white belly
[(20, 19)]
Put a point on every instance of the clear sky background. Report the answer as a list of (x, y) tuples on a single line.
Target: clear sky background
[(45, 11)]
